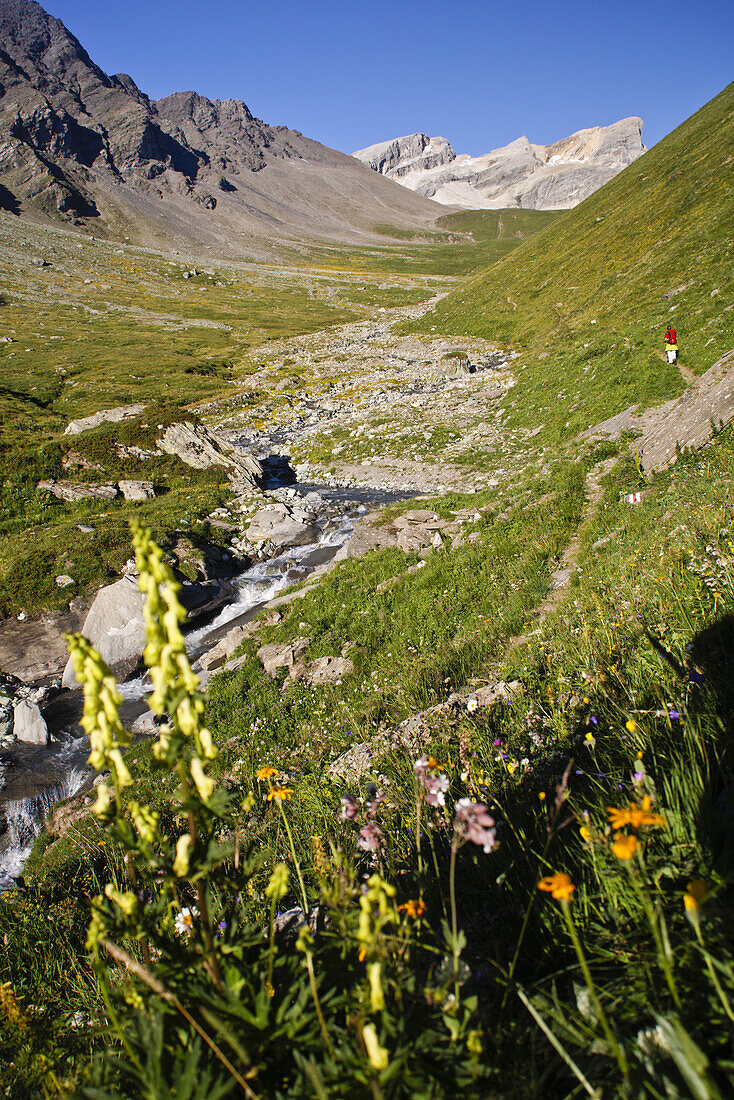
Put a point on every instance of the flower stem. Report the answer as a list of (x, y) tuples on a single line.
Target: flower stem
[(611, 1038), (307, 950), (454, 921), (712, 974)]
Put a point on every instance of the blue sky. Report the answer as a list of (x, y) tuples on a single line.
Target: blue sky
[(478, 72)]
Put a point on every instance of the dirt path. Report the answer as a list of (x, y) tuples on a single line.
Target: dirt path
[(560, 578)]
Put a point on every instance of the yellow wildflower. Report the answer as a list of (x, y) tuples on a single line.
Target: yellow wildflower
[(559, 886), (696, 894), (625, 845), (378, 1056), (377, 997), (183, 854), (585, 832), (630, 725)]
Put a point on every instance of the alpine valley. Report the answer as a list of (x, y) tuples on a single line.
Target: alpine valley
[(366, 603)]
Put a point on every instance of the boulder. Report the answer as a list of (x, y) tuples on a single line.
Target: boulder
[(111, 416), (115, 627), (201, 449), (28, 723), (225, 647), (71, 491), (282, 526), (136, 490), (322, 670), (274, 656)]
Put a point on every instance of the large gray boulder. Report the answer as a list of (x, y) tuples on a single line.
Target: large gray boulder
[(28, 723), (201, 449), (137, 490), (115, 627), (282, 526), (110, 416)]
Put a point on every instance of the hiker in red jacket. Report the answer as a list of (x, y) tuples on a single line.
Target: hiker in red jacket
[(671, 344)]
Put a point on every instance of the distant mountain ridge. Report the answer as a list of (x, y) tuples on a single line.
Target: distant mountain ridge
[(79, 145), (540, 177)]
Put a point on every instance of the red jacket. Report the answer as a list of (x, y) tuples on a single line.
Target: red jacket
[(671, 336)]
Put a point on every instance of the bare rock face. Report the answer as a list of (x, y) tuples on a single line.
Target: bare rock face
[(28, 723), (109, 416), (116, 628), (200, 448), (521, 174)]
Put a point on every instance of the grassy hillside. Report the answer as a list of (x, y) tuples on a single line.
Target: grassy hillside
[(587, 300)]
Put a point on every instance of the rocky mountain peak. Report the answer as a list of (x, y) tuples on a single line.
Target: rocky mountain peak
[(544, 177)]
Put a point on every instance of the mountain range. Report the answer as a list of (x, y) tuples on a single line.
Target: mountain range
[(92, 149), (82, 147), (538, 177)]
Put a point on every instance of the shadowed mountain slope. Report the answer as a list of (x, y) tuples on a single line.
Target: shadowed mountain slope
[(80, 146), (587, 301)]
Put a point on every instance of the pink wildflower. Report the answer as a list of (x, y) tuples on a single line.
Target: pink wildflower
[(434, 782), (370, 837), (473, 823), (350, 807)]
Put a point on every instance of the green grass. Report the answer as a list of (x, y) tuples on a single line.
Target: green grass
[(586, 302), (463, 243)]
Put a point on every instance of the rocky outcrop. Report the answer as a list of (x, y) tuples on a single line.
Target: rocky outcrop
[(116, 628), (201, 449), (104, 416), (322, 670), (414, 153), (683, 423), (286, 655), (419, 730), (521, 174), (71, 491)]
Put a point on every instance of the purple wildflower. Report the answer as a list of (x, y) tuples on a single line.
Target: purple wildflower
[(472, 822), (673, 714)]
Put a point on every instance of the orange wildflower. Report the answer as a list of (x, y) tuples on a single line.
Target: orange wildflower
[(696, 894), (624, 845), (413, 908), (559, 886), (634, 816), (266, 772), (279, 792)]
